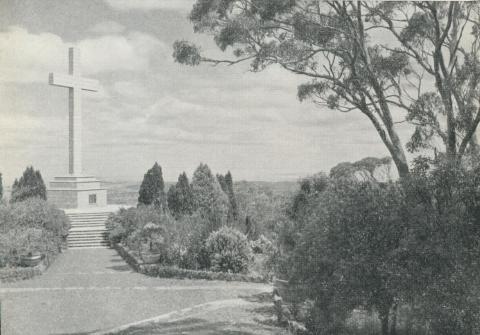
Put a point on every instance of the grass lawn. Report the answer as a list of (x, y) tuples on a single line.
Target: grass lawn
[(255, 317)]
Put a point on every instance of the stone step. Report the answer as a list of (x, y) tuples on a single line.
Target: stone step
[(88, 219), (88, 230), (93, 224), (88, 242), (88, 245), (86, 236), (76, 217), (89, 227)]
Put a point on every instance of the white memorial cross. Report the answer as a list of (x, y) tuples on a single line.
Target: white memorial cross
[(75, 84)]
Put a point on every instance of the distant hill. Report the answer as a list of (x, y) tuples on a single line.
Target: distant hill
[(126, 192)]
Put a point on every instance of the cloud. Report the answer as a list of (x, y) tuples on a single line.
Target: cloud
[(113, 52), (130, 89), (107, 27), (151, 4), (28, 57)]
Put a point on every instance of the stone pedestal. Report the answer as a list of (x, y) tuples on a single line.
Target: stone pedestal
[(76, 192)]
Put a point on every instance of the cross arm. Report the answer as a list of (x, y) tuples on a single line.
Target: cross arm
[(72, 81)]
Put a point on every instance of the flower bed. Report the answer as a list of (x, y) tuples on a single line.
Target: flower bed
[(12, 274), (31, 231), (157, 270)]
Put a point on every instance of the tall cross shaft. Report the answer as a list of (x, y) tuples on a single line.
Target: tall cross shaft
[(75, 84)]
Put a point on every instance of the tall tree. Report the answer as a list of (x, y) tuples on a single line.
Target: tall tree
[(332, 44), (443, 40), (226, 183), (180, 197), (29, 185), (152, 189), (209, 199), (1, 187)]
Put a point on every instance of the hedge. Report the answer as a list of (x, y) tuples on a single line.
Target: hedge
[(158, 270)]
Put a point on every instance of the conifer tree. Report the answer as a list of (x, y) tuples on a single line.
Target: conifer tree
[(152, 190), (226, 183), (28, 186), (209, 198), (231, 195), (180, 197)]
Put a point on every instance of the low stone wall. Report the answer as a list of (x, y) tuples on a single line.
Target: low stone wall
[(157, 270), (12, 274)]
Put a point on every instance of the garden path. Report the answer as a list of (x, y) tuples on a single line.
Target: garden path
[(87, 290)]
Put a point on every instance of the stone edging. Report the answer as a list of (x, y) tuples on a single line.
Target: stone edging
[(156, 270), (12, 274)]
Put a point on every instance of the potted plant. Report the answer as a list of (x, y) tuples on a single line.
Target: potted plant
[(32, 255), (152, 243)]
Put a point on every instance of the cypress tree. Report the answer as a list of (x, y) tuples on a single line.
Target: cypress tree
[(152, 189), (28, 186), (226, 183), (180, 197), (231, 196), (209, 198)]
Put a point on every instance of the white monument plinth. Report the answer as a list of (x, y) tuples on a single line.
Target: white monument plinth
[(75, 190)]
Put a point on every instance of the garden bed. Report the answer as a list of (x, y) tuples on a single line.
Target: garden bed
[(11, 274), (158, 270)]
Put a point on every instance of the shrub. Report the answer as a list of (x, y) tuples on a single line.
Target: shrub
[(228, 250), (122, 224), (30, 226), (262, 245)]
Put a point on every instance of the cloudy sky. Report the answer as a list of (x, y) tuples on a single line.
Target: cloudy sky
[(150, 108)]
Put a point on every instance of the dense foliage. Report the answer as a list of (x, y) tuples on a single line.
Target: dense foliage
[(30, 226), (402, 249), (226, 183), (152, 189), (30, 185), (180, 197), (210, 201), (228, 250)]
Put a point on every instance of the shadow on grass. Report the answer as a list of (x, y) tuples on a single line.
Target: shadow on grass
[(194, 326), (121, 268), (190, 326)]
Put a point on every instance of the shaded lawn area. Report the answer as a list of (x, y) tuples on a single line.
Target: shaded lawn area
[(257, 318)]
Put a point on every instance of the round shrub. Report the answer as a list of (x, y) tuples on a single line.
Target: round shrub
[(228, 250)]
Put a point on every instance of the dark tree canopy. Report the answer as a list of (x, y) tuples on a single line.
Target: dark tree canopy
[(226, 183), (30, 185), (334, 46), (180, 197), (152, 189)]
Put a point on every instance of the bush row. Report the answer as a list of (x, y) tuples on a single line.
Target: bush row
[(163, 271), (187, 242)]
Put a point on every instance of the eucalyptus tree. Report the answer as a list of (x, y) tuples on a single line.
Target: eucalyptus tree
[(429, 70)]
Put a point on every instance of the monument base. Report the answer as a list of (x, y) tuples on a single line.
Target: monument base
[(76, 192)]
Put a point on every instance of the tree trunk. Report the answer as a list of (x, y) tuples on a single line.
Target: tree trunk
[(384, 323), (393, 323)]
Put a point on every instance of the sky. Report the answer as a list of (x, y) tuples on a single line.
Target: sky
[(152, 109)]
